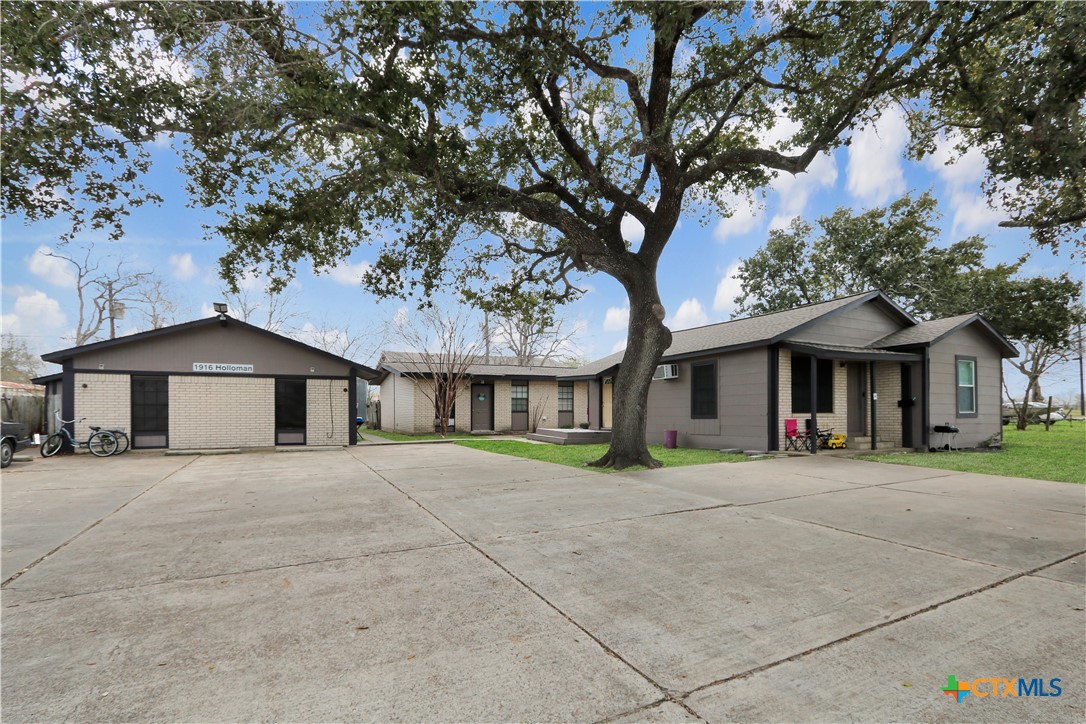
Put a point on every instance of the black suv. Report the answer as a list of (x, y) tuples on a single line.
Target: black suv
[(14, 436)]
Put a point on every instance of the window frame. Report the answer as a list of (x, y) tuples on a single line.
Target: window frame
[(711, 364), (514, 399), (565, 395), (958, 359), (805, 400)]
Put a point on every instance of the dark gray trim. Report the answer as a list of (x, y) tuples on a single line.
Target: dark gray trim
[(773, 378), (61, 355), (812, 434), (925, 433), (352, 404), (976, 387), (716, 392), (1011, 350), (874, 406), (160, 373), (67, 402), (874, 356), (46, 379)]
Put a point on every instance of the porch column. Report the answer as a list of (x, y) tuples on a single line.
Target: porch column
[(813, 438)]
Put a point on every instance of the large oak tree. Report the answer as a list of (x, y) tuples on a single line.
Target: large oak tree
[(315, 128)]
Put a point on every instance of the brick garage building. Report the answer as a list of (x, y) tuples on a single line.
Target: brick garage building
[(211, 383)]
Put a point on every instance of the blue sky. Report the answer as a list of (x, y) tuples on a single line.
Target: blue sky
[(38, 300)]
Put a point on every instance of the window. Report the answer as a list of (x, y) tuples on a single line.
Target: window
[(967, 386), (801, 384), (703, 391), (565, 397), (519, 397)]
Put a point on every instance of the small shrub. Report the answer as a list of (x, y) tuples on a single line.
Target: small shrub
[(584, 426)]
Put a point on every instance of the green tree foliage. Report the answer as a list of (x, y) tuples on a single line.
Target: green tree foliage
[(893, 249), (435, 127), (19, 363)]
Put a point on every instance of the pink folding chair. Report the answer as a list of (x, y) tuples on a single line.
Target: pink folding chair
[(793, 438)]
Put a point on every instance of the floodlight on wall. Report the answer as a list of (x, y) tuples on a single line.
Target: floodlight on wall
[(220, 307)]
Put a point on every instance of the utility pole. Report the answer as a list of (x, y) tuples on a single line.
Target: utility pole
[(486, 334), (109, 301), (1081, 376)]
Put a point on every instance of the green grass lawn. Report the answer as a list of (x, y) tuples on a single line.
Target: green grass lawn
[(576, 456), (1059, 454), (401, 437)]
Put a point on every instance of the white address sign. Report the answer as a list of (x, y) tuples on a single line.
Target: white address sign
[(221, 367)]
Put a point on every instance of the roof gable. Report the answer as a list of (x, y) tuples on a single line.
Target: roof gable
[(185, 331), (932, 331)]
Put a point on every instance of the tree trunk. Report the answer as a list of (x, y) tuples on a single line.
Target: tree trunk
[(647, 339)]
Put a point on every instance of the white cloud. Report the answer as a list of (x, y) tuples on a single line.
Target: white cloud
[(745, 215), (632, 229), (781, 221), (616, 319), (962, 174), (50, 268), (727, 290), (795, 191), (349, 274), (690, 314), (400, 317), (618, 346), (874, 159), (183, 267), (35, 312)]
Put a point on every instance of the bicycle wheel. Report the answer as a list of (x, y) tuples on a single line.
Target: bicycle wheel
[(122, 441), (102, 444), (52, 445)]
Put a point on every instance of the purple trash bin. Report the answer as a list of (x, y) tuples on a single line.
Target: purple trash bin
[(671, 439)]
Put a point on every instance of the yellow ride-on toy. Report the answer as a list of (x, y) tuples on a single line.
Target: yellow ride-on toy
[(836, 442)]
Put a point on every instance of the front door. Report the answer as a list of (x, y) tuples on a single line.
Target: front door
[(857, 399), (482, 407), (150, 412), (907, 404), (605, 403), (290, 411)]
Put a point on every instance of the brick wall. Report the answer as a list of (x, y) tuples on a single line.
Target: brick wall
[(221, 412), (580, 403), (503, 405), (543, 403), (105, 402), (838, 419), (887, 413), (327, 412)]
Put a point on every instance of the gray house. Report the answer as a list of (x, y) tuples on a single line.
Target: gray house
[(859, 364)]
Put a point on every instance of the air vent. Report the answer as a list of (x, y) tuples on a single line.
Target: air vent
[(666, 372)]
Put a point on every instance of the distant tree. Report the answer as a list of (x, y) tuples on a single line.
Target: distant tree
[(533, 332), (315, 128), (19, 363), (349, 340), (444, 346), (104, 288), (156, 303), (267, 307)]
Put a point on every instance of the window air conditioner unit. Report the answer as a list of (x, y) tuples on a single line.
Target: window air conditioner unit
[(666, 372)]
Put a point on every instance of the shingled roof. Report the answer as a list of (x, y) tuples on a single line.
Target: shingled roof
[(414, 363), (746, 332), (929, 332)]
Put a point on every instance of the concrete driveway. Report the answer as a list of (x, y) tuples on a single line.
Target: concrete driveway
[(434, 582)]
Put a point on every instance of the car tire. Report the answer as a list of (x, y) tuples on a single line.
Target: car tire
[(7, 452)]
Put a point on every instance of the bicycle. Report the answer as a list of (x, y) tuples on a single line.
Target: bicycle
[(101, 443)]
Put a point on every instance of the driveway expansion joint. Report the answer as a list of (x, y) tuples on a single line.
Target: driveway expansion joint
[(93, 525), (668, 694), (884, 624)]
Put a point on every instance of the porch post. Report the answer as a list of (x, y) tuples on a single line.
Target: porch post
[(874, 404), (813, 438)]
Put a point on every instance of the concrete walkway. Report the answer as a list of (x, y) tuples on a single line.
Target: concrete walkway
[(439, 583)]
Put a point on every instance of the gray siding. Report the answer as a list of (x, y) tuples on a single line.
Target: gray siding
[(742, 388), (943, 386), (854, 327), (230, 344), (594, 404)]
